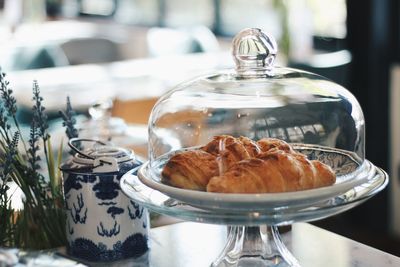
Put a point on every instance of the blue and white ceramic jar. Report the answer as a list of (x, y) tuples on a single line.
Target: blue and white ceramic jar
[(102, 223)]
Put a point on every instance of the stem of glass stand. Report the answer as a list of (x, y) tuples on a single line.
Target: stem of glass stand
[(254, 246)]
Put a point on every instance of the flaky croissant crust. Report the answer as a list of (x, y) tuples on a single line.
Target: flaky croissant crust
[(273, 171), (241, 165)]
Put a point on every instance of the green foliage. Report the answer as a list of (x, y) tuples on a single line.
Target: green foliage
[(41, 222), (284, 42)]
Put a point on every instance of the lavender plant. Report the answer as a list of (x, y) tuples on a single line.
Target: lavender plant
[(69, 123), (41, 222), (6, 212)]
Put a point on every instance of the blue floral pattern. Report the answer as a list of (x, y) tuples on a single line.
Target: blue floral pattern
[(133, 246), (102, 223), (342, 162)]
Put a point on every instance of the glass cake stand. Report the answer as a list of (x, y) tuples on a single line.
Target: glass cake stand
[(249, 242)]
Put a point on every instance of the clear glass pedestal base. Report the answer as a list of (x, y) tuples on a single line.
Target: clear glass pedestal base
[(256, 246)]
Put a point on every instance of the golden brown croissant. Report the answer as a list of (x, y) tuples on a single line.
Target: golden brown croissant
[(190, 170), (230, 150), (273, 171), (266, 144)]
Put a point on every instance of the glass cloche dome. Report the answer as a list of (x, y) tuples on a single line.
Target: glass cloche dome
[(319, 118), (257, 100)]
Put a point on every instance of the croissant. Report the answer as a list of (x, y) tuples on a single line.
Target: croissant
[(273, 171), (230, 150), (266, 144), (190, 170)]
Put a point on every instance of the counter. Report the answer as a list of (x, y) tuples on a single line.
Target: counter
[(194, 244), (197, 245)]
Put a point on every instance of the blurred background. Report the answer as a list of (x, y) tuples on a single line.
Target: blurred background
[(116, 57)]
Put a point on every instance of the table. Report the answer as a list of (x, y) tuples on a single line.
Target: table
[(189, 244), (196, 244)]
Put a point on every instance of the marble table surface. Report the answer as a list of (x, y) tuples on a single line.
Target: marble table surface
[(195, 244), (189, 244)]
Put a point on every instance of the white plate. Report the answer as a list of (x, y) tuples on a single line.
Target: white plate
[(156, 201), (350, 172)]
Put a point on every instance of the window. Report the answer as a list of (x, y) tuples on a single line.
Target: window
[(138, 12), (97, 7), (238, 14), (329, 17), (186, 13)]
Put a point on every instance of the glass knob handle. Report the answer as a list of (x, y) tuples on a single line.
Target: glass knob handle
[(254, 52)]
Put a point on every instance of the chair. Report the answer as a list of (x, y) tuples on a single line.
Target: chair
[(90, 50), (34, 57), (333, 65)]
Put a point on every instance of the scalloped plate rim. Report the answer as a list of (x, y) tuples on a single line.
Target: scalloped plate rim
[(245, 201)]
